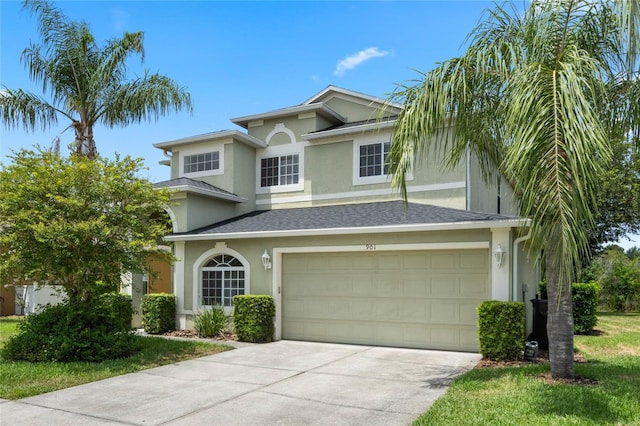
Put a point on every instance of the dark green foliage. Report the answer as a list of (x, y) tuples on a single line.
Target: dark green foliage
[(210, 322), (158, 312), (585, 306), (120, 308), (619, 281), (542, 287), (69, 333), (501, 330), (253, 317)]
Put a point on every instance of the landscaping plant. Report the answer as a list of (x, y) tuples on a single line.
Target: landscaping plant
[(158, 312), (253, 317), (210, 322), (501, 330), (70, 332)]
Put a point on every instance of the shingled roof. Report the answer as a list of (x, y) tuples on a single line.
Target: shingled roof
[(198, 187), (347, 218)]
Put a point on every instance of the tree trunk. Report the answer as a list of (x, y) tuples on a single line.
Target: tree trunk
[(559, 316)]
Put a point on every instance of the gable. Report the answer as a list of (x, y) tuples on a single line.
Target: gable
[(354, 106)]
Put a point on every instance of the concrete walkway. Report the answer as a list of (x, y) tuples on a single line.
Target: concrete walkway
[(283, 383)]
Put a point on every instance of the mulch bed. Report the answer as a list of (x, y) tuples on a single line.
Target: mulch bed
[(543, 358), (189, 334)]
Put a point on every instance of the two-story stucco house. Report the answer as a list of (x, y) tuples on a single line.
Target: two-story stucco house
[(298, 205)]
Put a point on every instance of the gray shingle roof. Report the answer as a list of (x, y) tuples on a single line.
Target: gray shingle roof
[(381, 214), (191, 185)]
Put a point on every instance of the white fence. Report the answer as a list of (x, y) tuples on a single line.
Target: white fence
[(31, 298)]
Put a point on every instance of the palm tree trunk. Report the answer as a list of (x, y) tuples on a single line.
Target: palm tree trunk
[(560, 315)]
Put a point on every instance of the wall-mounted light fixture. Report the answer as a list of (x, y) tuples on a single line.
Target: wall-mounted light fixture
[(499, 254), (266, 260)]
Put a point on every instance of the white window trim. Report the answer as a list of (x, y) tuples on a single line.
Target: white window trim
[(220, 248), (218, 147), (279, 151), (369, 180)]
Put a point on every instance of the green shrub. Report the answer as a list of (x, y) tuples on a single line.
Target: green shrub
[(120, 307), (253, 317), (158, 312), (71, 333), (501, 330), (620, 283), (585, 306), (210, 322)]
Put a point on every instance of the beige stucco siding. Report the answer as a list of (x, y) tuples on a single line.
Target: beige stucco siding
[(352, 111), (298, 126), (194, 211), (330, 176), (261, 280)]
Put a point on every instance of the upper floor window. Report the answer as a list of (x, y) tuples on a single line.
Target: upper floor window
[(280, 170), (372, 159), (201, 162)]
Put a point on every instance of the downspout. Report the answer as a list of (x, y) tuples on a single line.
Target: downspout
[(514, 270), (468, 179)]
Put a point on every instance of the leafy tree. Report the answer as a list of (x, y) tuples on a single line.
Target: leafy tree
[(77, 222), (87, 83), (618, 196), (633, 253), (618, 275), (536, 98)]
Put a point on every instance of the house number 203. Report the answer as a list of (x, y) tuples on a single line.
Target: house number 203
[(370, 246)]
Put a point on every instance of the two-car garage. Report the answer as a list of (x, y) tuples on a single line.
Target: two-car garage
[(406, 298)]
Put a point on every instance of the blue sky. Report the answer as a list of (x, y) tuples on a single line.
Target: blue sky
[(241, 58)]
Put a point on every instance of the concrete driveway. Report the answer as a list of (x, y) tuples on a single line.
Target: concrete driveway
[(280, 383)]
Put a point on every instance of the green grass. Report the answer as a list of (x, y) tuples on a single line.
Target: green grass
[(20, 379), (519, 395)]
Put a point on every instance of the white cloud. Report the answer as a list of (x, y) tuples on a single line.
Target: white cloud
[(350, 62)]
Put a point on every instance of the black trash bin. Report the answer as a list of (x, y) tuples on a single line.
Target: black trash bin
[(539, 333)]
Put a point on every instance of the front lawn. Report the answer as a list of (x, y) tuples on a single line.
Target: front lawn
[(19, 379), (522, 395)]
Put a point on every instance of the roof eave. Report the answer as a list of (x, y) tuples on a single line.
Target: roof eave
[(322, 134), (205, 192), (371, 99), (452, 226), (206, 137), (318, 107)]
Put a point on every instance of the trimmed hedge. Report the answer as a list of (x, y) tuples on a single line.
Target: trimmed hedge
[(158, 312), (585, 306), (120, 307), (253, 317), (501, 330), (585, 298)]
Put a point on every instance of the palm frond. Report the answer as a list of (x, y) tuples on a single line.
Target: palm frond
[(144, 99), (23, 109)]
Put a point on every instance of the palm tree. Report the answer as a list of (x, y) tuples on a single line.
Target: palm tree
[(87, 83), (535, 98)]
